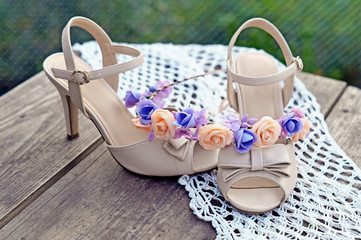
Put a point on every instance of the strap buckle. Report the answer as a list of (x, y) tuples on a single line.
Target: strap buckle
[(299, 62), (85, 77)]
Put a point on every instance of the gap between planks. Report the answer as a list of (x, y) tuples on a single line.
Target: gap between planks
[(101, 200), (34, 149), (335, 85)]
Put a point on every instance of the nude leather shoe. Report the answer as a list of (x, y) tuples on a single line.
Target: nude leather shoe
[(93, 92), (261, 179)]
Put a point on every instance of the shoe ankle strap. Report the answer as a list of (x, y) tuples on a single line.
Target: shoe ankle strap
[(82, 77), (293, 64), (111, 68)]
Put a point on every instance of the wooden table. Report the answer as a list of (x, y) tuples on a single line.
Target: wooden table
[(52, 188)]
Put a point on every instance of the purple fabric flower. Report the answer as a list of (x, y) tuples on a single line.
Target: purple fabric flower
[(151, 136), (158, 101), (252, 121), (145, 109), (244, 125), (244, 140), (181, 132), (247, 123), (131, 98), (290, 124), (244, 119), (165, 92), (297, 112), (201, 118), (186, 119), (232, 122), (189, 119)]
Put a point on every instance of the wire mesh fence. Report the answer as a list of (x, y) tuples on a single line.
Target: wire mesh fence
[(326, 34)]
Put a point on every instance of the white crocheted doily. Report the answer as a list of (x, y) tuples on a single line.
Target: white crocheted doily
[(326, 203)]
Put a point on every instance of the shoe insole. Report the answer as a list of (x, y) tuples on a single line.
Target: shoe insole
[(113, 118), (258, 101)]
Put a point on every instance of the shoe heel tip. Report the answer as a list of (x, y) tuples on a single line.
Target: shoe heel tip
[(72, 137)]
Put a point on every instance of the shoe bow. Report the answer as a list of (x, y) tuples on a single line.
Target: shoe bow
[(273, 160), (179, 147)]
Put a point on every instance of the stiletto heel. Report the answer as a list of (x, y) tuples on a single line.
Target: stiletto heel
[(71, 117), (93, 92)]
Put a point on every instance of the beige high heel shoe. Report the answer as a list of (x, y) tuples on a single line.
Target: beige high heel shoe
[(94, 93), (261, 178)]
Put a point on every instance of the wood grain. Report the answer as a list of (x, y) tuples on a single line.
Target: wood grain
[(44, 198), (106, 201), (326, 90), (344, 123), (34, 150), (97, 198)]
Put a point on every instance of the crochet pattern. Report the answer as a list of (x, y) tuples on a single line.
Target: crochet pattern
[(326, 202)]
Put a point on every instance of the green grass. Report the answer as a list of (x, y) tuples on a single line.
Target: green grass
[(326, 34)]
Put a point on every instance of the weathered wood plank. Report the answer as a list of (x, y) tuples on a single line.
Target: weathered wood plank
[(34, 150), (326, 90), (344, 123), (57, 187), (105, 201), (100, 216)]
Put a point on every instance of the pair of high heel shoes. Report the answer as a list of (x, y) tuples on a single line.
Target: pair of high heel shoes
[(257, 169)]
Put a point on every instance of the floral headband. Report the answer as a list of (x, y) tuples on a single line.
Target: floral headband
[(166, 124)]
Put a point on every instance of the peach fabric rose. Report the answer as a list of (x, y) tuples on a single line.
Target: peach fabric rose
[(162, 123), (214, 136), (304, 132), (267, 130), (137, 124)]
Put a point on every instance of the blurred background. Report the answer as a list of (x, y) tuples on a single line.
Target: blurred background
[(326, 34)]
